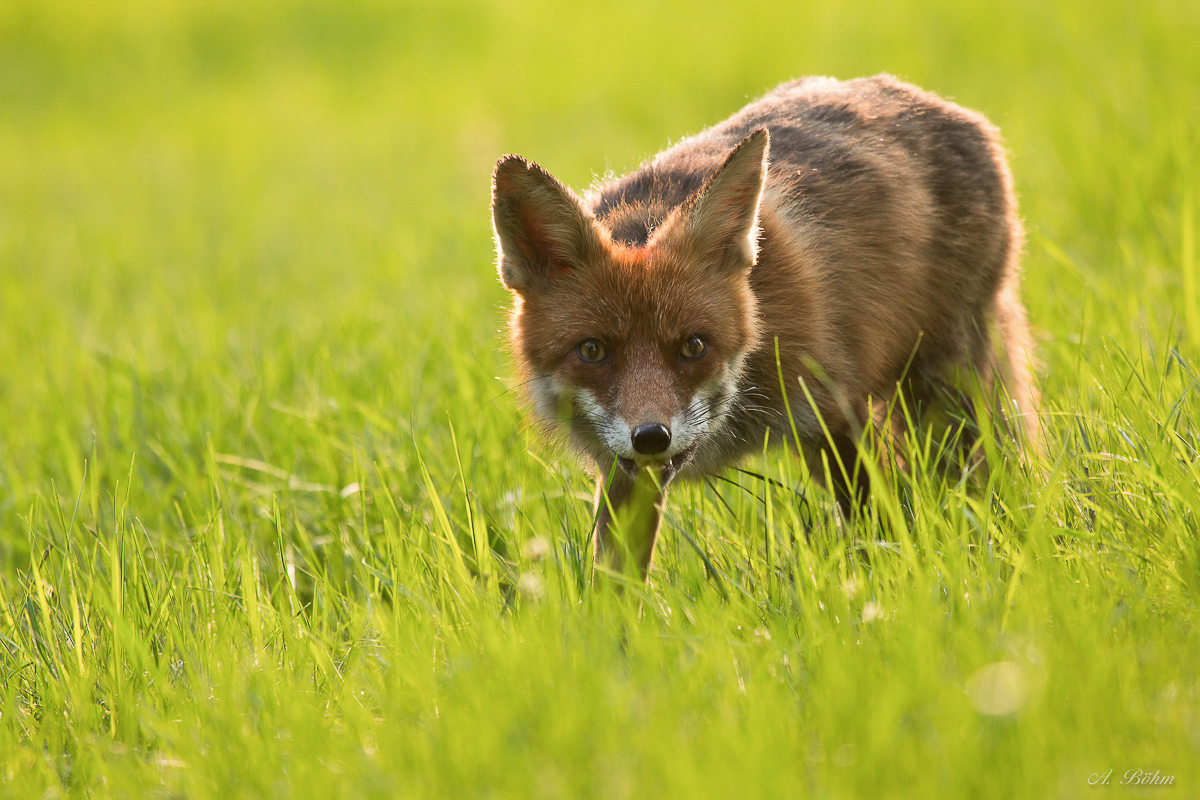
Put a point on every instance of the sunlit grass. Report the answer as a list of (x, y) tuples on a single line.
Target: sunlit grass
[(272, 522)]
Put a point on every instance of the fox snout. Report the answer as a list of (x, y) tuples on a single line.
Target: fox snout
[(636, 436)]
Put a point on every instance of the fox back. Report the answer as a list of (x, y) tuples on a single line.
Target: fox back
[(778, 276)]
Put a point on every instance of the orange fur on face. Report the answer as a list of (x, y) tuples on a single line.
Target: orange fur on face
[(839, 241)]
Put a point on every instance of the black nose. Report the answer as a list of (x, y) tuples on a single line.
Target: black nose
[(651, 439)]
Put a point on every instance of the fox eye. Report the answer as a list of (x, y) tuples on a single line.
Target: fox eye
[(591, 350), (693, 348)]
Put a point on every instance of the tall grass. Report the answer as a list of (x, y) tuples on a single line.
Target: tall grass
[(273, 524)]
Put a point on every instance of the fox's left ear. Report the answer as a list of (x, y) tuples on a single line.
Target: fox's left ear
[(721, 220)]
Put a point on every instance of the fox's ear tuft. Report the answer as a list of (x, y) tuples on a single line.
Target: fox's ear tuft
[(722, 218), (541, 228)]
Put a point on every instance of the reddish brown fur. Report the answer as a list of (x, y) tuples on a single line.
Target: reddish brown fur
[(625, 293), (887, 255)]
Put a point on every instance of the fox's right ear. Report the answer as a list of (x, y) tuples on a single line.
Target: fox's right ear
[(542, 230)]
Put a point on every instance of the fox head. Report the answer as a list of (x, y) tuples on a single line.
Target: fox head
[(636, 351)]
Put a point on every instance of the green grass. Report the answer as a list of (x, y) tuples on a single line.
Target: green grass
[(272, 524)]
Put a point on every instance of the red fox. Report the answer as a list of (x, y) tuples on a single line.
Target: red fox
[(777, 276)]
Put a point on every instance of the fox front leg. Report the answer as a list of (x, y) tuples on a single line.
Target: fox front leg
[(628, 514)]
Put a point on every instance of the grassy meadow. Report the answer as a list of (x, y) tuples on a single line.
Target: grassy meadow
[(272, 520)]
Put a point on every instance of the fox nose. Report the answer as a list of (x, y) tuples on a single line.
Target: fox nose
[(651, 439)]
